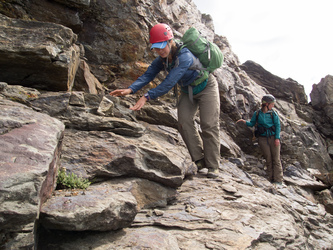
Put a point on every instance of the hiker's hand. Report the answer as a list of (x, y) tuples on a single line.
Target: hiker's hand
[(277, 142), (121, 92), (139, 104), (241, 120)]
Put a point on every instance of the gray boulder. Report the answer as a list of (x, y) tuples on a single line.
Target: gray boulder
[(322, 102), (29, 158)]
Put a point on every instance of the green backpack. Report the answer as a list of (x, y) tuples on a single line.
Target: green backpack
[(208, 53)]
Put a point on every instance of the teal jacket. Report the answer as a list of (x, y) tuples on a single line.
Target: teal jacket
[(266, 120)]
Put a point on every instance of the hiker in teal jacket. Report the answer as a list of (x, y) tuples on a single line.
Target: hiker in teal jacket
[(266, 120), (269, 137), (180, 64)]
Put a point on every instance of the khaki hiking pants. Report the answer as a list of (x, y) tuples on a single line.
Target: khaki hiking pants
[(272, 156), (207, 145)]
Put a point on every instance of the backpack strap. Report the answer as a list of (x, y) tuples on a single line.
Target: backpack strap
[(196, 65), (175, 54), (257, 114)]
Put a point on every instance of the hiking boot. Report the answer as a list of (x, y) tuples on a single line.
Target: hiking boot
[(213, 173), (200, 164)]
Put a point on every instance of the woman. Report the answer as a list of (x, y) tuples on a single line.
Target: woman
[(269, 137), (179, 62)]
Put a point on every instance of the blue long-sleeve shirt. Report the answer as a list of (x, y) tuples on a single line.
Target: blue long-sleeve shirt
[(177, 73), (266, 120)]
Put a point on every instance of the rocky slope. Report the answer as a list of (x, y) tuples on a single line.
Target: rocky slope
[(58, 61)]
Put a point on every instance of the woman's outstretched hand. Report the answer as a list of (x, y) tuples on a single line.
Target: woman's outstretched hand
[(241, 120), (121, 92)]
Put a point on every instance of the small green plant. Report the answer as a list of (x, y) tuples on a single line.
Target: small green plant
[(71, 181)]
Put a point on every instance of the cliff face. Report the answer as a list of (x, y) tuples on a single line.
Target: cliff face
[(58, 61)]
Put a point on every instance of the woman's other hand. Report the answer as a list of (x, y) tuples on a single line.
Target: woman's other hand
[(121, 92), (139, 103), (277, 142)]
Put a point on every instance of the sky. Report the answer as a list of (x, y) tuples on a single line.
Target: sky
[(289, 38)]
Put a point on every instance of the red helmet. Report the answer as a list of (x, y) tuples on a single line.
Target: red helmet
[(159, 33)]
